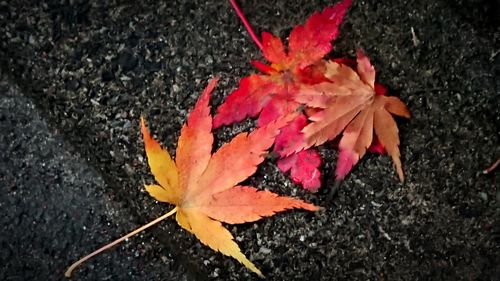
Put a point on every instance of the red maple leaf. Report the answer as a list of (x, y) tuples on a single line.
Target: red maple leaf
[(303, 165), (289, 72), (292, 71)]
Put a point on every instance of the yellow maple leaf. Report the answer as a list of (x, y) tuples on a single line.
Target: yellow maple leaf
[(204, 187)]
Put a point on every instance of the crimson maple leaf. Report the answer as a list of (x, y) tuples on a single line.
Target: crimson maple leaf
[(271, 95)]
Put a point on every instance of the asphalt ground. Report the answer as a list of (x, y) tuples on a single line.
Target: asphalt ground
[(77, 75)]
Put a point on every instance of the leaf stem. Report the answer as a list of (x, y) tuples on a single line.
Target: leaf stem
[(246, 24), (105, 247), (492, 167)]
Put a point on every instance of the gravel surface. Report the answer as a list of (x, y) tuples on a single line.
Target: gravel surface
[(76, 75)]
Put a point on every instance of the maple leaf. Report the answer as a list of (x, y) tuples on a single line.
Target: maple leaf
[(303, 165), (291, 72), (204, 187), (358, 108), (286, 75)]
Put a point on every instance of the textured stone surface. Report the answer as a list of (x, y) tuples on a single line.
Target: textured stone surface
[(92, 68)]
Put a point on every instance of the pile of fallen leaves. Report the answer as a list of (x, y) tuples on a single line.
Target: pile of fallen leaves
[(301, 100)]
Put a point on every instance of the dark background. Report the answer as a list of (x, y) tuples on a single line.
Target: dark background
[(76, 75)]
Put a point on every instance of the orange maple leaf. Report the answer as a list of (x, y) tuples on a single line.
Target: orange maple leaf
[(204, 186), (351, 104)]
